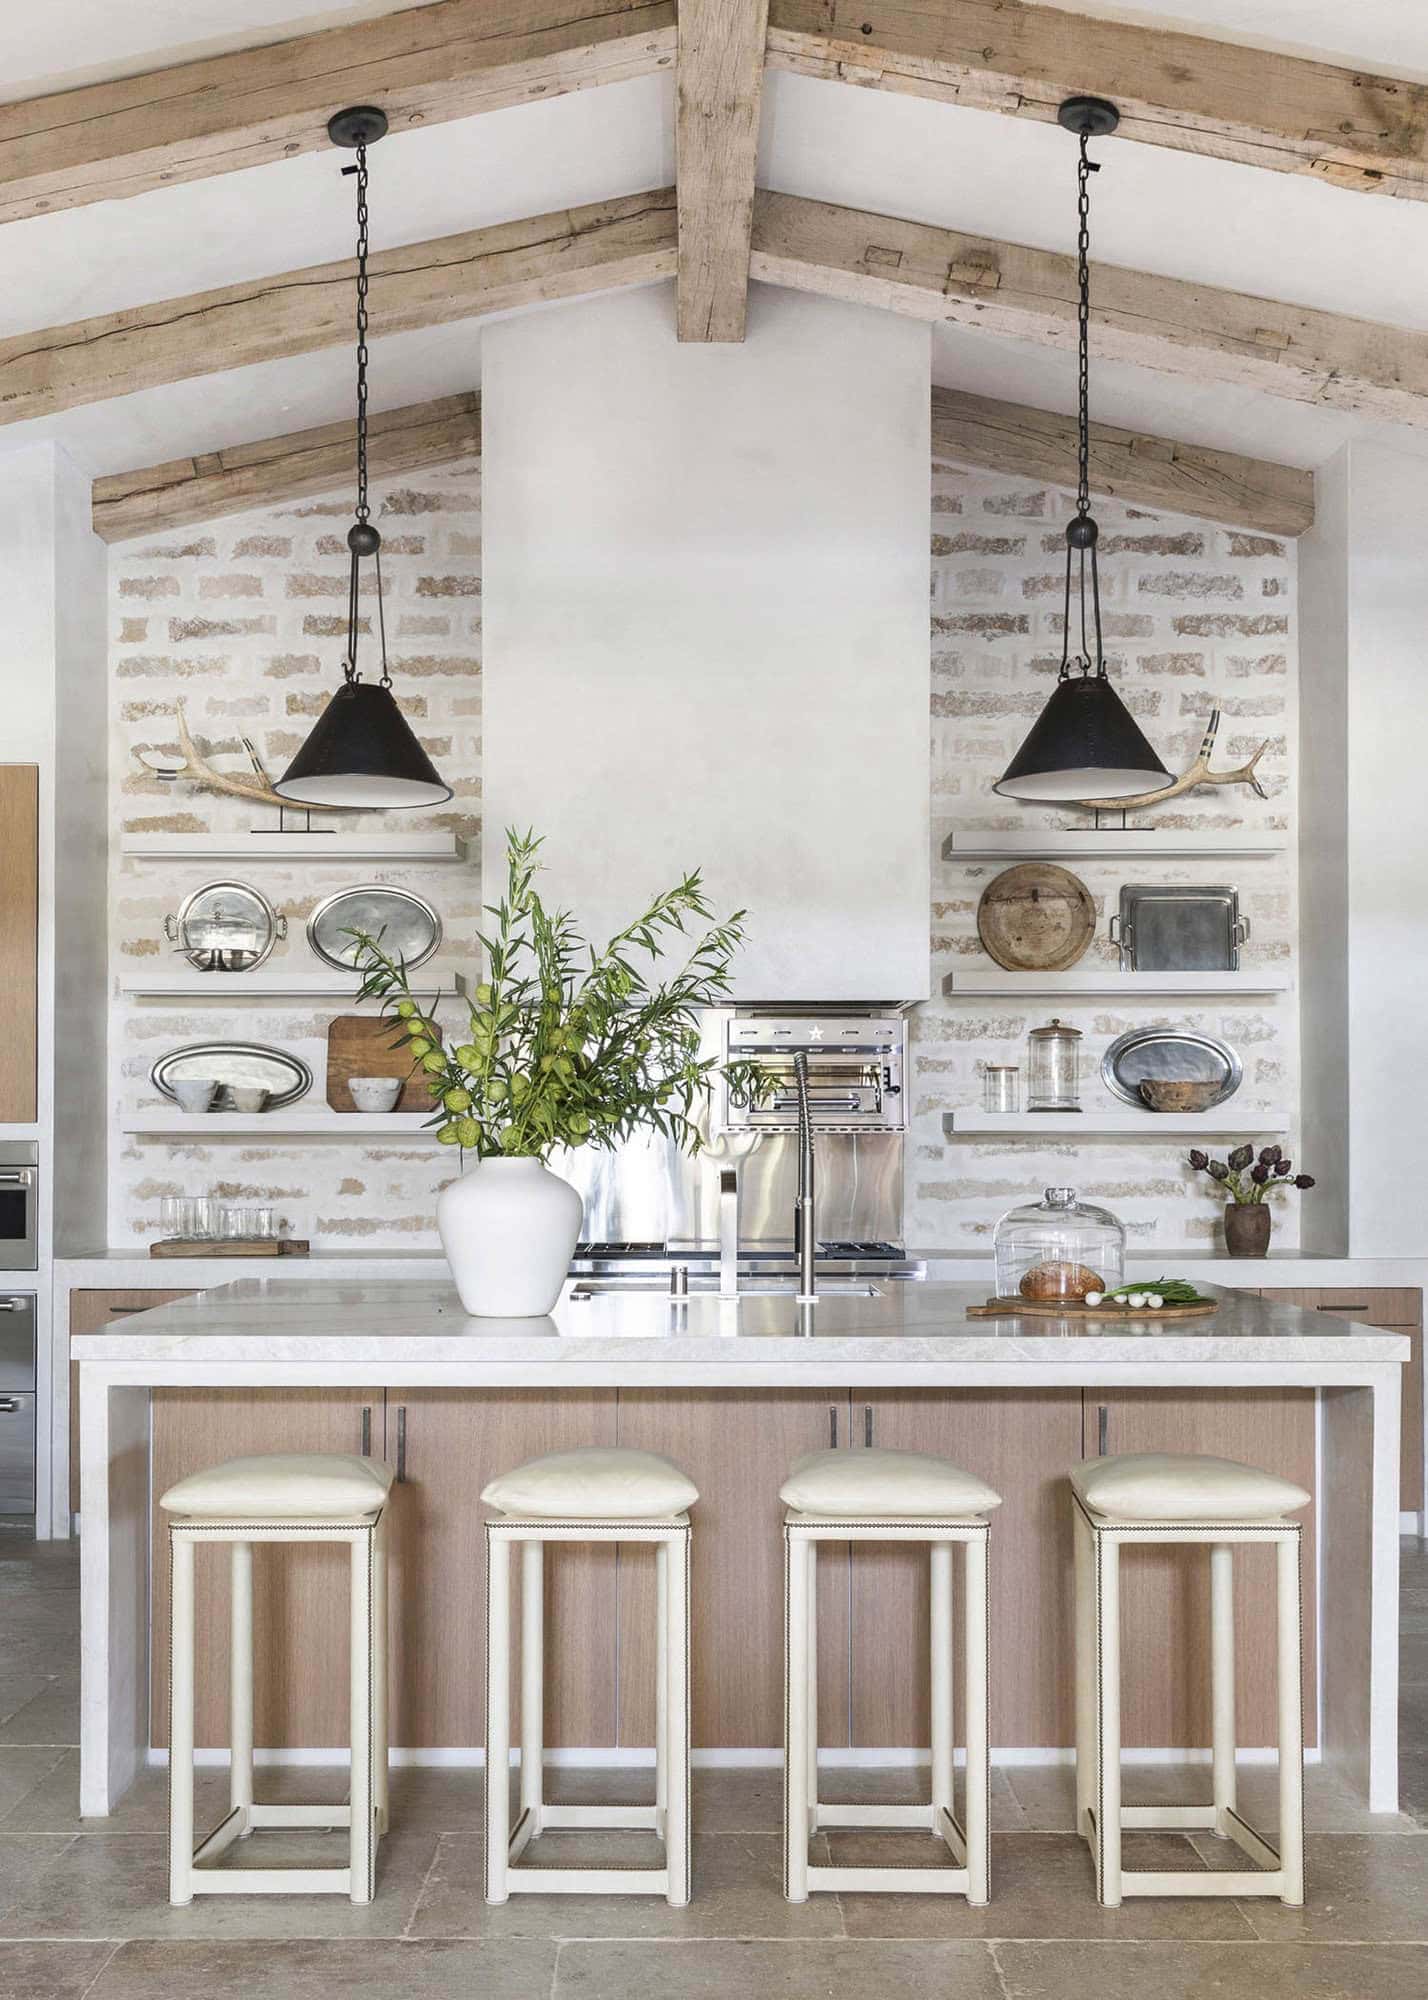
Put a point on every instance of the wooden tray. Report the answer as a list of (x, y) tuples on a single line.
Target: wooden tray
[(1071, 1309), (230, 1246), (1036, 917), (361, 1045)]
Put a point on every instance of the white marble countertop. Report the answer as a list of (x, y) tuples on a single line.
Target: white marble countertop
[(315, 1325)]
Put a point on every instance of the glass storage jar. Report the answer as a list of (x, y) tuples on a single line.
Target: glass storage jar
[(1054, 1081), (1001, 1087), (1059, 1248)]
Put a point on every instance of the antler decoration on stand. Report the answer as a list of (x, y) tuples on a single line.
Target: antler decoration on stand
[(197, 769), (1199, 773)]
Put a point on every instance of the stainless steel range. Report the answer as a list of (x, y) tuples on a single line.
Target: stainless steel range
[(650, 1208)]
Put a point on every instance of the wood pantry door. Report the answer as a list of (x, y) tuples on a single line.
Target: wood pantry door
[(1165, 1592), (19, 940), (1023, 1442)]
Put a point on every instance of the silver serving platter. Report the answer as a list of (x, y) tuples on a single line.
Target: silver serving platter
[(404, 924), (1168, 927), (225, 927), (287, 1077), (1176, 1053)]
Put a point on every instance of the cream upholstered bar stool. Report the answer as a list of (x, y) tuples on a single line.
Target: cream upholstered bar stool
[(280, 1498), (1137, 1498), (596, 1495), (888, 1496)]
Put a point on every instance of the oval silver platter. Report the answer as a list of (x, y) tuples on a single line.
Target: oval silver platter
[(287, 1077), (1178, 1054), (404, 924), (226, 927)]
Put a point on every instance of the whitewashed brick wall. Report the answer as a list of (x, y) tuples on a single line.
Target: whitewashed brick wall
[(243, 618)]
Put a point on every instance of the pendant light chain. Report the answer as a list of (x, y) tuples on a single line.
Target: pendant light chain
[(1081, 535), (363, 538)]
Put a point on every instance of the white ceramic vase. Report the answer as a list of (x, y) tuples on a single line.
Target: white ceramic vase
[(509, 1229)]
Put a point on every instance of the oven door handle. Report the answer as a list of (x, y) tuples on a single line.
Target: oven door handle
[(18, 1177), (14, 1305)]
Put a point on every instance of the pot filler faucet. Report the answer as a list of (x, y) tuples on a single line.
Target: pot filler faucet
[(805, 1212)]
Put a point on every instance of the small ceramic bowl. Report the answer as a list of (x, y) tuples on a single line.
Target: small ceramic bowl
[(1177, 1093), (249, 1096), (196, 1093), (375, 1093)]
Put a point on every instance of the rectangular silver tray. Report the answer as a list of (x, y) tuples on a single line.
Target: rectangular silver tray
[(1172, 928)]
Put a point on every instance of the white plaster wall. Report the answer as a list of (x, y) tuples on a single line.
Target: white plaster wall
[(706, 624)]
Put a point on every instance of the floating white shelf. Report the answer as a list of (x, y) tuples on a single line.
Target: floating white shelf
[(260, 985), (1133, 841), (375, 846), (1106, 1124), (1108, 981), (295, 1122)]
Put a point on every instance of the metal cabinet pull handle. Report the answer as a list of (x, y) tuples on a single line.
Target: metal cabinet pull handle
[(401, 1444), (1103, 1425), (12, 1305), (367, 1431), (8, 1406), (868, 1425), (833, 1425), (115, 1312), (1355, 1306)]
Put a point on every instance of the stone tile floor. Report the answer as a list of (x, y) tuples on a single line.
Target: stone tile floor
[(83, 1914)]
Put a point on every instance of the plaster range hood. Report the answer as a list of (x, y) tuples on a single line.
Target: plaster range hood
[(705, 626)]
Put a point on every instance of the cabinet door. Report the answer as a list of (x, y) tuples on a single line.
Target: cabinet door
[(1023, 1443), (19, 940), (1165, 1596), (1398, 1308), (100, 1312), (456, 1440), (737, 1446), (300, 1612)]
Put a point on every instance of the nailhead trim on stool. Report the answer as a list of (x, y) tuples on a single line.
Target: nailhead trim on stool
[(1100, 1816), (669, 1815)]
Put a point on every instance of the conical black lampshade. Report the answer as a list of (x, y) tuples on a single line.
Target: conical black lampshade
[(362, 754), (1085, 744)]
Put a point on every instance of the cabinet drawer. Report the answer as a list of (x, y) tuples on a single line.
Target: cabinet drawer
[(1372, 1305)]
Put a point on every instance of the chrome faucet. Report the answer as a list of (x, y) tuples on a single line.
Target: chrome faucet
[(728, 1229), (805, 1212)]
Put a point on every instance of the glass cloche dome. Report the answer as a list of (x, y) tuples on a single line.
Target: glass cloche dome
[(1059, 1248)]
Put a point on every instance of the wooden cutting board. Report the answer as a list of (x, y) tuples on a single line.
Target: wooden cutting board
[(1073, 1309), (229, 1246), (361, 1045), (1036, 917)]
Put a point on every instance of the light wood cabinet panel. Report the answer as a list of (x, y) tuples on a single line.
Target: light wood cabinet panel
[(456, 1442), (1023, 1443), (98, 1312), (1399, 1309), (1165, 1598), (737, 1446), (19, 940), (300, 1605)]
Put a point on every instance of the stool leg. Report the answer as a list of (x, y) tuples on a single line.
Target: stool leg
[(362, 1846), (1108, 1720), (677, 1837), (1291, 1725), (240, 1680), (940, 1565), (380, 1696), (1222, 1681), (532, 1677), (974, 1628), (181, 1720), (1085, 1673), (661, 1688), (795, 1703), (498, 1714), (811, 1783)]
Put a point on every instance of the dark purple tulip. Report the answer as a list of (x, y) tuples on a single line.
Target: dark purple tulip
[(1218, 1171), (1198, 1160), (1283, 1167), (1240, 1158), (1269, 1154), (1303, 1180), (1259, 1173)]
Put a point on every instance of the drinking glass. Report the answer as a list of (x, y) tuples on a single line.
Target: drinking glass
[(202, 1218), (1001, 1087), (264, 1224)]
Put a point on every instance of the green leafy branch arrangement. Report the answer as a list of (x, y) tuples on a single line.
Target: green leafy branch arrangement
[(569, 1046)]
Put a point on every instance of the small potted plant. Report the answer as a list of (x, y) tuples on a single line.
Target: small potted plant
[(565, 1046), (1247, 1179)]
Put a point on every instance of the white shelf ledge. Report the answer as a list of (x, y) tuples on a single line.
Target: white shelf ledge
[(1108, 1124), (1133, 841), (1108, 981), (295, 1122), (259, 985), (375, 846)]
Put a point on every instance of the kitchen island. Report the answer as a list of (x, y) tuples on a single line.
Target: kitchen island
[(733, 1390)]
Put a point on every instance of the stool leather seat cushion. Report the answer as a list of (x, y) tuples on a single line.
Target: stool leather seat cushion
[(279, 1486), (885, 1486), (599, 1483), (1183, 1486)]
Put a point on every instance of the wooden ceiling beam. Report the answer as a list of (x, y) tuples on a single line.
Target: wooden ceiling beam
[(1349, 127), (272, 470), (1166, 324), (1128, 466), (422, 66), (607, 245), (719, 78)]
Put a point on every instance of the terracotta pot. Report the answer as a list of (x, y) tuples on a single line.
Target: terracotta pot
[(1247, 1227)]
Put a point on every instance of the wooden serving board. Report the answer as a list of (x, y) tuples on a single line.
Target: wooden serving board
[(230, 1246), (1072, 1309), (361, 1045), (1036, 917)]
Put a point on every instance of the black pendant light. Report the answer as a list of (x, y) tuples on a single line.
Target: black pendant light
[(362, 752), (1085, 743)]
